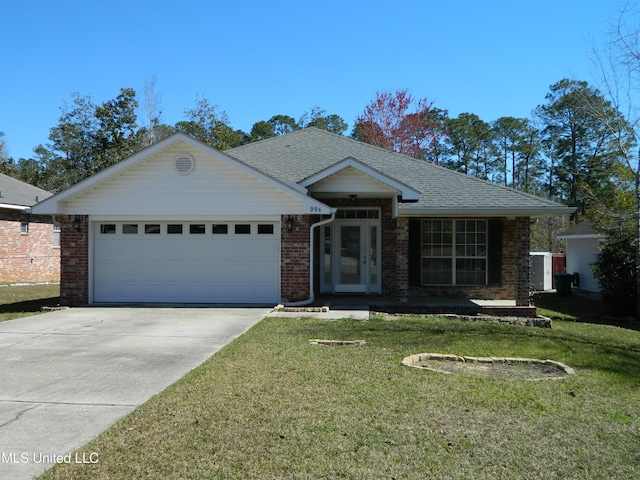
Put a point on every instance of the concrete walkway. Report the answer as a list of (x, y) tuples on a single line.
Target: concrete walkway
[(66, 376)]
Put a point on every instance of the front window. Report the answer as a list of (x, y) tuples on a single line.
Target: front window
[(56, 233), (454, 252)]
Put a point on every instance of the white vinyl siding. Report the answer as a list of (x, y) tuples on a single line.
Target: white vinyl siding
[(153, 186), (350, 180)]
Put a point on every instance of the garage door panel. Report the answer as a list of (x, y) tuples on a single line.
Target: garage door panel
[(202, 268), (221, 249), (175, 269), (262, 269), (265, 249), (198, 270), (152, 270), (221, 272)]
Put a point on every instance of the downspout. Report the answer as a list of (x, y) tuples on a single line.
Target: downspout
[(312, 297)]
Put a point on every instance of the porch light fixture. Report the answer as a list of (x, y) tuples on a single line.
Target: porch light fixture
[(289, 221), (353, 197), (77, 223)]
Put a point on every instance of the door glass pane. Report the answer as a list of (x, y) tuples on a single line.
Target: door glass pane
[(350, 254), (373, 257), (326, 255)]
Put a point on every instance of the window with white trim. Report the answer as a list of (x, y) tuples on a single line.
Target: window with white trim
[(454, 252), (56, 233)]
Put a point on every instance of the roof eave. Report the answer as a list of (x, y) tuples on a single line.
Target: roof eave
[(584, 236), (534, 212)]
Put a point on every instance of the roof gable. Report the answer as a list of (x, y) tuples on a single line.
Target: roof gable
[(305, 153), (350, 176), (155, 182)]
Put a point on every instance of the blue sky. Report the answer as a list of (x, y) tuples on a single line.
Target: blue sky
[(256, 59)]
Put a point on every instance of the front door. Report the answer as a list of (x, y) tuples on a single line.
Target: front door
[(353, 264)]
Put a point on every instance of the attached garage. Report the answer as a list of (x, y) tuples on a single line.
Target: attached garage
[(179, 222), (194, 262)]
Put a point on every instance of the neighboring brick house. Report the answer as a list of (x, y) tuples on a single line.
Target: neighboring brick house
[(287, 218), (29, 244)]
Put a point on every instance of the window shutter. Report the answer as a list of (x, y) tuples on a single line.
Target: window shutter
[(494, 259), (415, 263)]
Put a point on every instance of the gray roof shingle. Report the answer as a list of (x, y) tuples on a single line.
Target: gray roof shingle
[(20, 194), (585, 228), (298, 155)]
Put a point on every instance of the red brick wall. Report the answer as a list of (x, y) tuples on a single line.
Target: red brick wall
[(29, 257), (294, 259), (74, 272)]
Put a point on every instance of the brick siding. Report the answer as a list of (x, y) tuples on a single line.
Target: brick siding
[(294, 258), (74, 272), (29, 257)]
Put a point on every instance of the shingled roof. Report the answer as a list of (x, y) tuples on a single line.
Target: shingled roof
[(299, 155), (581, 230), (20, 195)]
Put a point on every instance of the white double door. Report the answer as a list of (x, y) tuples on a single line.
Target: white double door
[(355, 256)]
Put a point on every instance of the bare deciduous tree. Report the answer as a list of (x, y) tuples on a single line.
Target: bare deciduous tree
[(618, 68), (150, 111)]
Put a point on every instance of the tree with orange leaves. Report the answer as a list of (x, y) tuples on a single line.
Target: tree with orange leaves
[(400, 123)]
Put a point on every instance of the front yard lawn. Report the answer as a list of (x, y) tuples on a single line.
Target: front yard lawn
[(23, 300), (271, 405)]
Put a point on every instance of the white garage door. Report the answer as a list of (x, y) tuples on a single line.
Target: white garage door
[(186, 262)]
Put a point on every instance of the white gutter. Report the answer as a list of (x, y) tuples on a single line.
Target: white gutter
[(312, 297), (10, 206)]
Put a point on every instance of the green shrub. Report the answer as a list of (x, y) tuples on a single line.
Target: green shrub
[(615, 269)]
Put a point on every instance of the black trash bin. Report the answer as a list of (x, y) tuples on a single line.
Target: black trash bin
[(563, 283)]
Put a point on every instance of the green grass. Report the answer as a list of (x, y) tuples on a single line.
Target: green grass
[(25, 300), (270, 405), (579, 308)]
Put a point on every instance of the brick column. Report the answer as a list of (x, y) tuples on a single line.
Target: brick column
[(294, 259), (402, 259), (74, 261), (522, 261)]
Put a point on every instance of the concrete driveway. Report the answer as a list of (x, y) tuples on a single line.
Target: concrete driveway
[(66, 376)]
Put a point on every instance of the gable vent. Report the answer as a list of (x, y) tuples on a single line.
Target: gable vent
[(185, 164)]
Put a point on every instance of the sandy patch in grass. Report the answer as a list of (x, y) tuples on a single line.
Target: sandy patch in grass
[(516, 368)]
